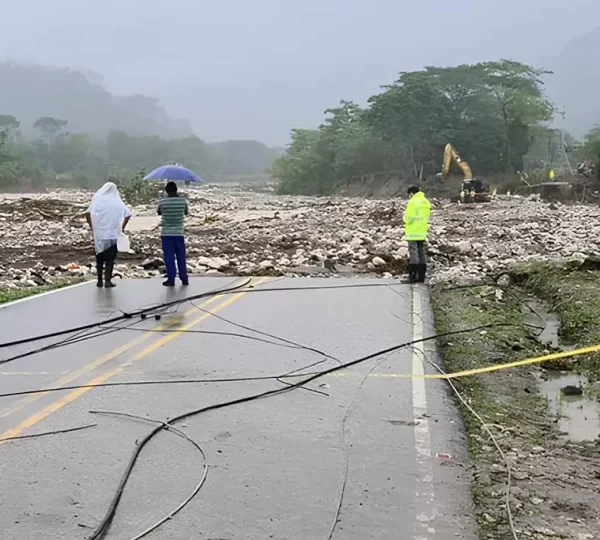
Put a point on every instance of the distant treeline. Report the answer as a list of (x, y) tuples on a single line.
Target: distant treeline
[(494, 113), (52, 155)]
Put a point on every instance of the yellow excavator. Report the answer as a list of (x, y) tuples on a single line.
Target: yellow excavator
[(473, 190)]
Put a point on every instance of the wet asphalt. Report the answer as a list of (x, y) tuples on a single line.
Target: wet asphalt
[(345, 458)]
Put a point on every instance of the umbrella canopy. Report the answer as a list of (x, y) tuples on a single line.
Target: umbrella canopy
[(174, 173)]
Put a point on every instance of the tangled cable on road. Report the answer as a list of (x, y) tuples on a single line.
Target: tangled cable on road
[(139, 313), (106, 326), (104, 525), (111, 325)]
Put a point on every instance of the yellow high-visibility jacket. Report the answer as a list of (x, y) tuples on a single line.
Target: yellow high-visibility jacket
[(416, 218)]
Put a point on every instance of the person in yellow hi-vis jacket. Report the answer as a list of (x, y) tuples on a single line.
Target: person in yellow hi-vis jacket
[(416, 227)]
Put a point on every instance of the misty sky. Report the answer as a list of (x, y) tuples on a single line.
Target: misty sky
[(253, 69)]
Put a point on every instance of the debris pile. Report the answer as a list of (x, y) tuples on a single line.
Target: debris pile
[(234, 231)]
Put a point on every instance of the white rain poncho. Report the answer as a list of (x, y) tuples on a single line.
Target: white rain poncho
[(108, 212)]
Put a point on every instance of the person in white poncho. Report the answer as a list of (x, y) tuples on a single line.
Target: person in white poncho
[(107, 216)]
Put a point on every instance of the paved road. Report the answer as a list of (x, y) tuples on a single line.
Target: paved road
[(362, 457)]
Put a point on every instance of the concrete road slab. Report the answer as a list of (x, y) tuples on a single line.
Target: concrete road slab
[(351, 456)]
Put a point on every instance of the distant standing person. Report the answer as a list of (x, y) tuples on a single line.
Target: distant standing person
[(173, 210), (107, 216), (416, 227)]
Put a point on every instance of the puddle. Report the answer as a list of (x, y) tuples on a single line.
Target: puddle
[(535, 314), (578, 416)]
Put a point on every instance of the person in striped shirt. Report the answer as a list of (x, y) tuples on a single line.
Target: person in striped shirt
[(173, 210)]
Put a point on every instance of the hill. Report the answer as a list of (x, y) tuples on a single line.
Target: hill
[(30, 91), (231, 158), (574, 85)]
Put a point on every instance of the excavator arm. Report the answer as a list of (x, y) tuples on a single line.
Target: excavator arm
[(472, 190), (451, 155)]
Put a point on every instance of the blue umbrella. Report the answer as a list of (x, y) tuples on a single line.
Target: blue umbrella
[(174, 173)]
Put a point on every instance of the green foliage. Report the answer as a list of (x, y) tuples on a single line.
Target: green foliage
[(486, 110), (8, 122), (591, 148), (49, 126), (10, 295), (8, 162), (135, 190), (78, 160), (319, 161)]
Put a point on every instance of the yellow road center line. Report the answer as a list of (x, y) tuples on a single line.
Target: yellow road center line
[(75, 394), (73, 375)]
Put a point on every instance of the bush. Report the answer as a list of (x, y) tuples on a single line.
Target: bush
[(135, 190)]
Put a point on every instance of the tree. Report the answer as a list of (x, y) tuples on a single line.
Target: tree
[(8, 122), (49, 126), (488, 111), (475, 107), (591, 148), (517, 89), (49, 129), (8, 162), (305, 166)]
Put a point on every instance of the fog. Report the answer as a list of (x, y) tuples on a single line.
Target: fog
[(241, 69)]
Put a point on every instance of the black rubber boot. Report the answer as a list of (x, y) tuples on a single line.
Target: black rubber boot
[(412, 273), (100, 270), (109, 275), (422, 270)]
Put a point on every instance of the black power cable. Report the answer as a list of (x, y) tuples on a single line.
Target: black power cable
[(125, 315), (154, 383), (288, 375), (105, 524), (146, 311), (77, 338)]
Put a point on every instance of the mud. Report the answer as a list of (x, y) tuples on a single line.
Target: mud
[(547, 438)]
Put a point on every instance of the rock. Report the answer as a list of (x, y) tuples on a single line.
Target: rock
[(504, 280), (520, 475), (266, 265), (152, 263), (571, 390), (214, 263), (465, 244)]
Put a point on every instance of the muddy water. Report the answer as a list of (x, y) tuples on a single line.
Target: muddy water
[(535, 314), (578, 416)]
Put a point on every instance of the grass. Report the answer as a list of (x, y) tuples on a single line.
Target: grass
[(574, 295), (503, 398), (10, 295)]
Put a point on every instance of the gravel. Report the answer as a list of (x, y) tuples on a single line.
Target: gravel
[(235, 231)]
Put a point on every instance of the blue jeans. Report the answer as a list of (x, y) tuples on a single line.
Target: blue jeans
[(174, 249)]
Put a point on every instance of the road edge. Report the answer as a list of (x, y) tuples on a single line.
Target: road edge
[(445, 506)]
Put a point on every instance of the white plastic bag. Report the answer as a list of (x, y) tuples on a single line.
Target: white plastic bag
[(123, 245)]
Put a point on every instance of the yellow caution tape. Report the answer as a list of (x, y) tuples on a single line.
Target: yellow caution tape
[(517, 363)]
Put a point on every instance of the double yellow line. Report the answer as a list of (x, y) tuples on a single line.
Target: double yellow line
[(103, 377)]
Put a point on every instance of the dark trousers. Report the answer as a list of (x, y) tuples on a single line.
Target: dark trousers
[(106, 261), (107, 256), (174, 250), (417, 252)]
